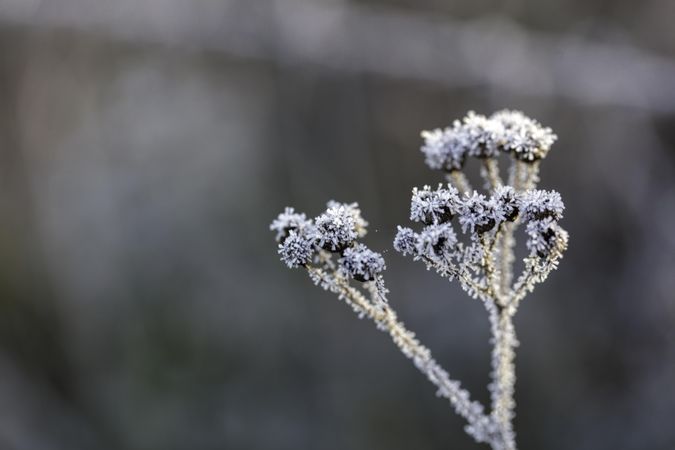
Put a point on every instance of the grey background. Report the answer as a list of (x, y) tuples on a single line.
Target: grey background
[(146, 145)]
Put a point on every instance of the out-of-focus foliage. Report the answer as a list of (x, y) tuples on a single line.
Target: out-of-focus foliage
[(145, 146)]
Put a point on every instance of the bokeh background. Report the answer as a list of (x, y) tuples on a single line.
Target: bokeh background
[(146, 145)]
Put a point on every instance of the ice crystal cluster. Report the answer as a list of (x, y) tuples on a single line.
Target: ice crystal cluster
[(461, 233)]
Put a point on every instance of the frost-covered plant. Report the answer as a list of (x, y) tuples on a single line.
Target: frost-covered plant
[(481, 259)]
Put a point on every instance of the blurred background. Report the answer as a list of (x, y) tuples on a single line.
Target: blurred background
[(145, 146)]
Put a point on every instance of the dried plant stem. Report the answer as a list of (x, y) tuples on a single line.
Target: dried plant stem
[(488, 265), (459, 180), (523, 175), (505, 244), (504, 341), (503, 374), (479, 426), (531, 175), (490, 173), (516, 174)]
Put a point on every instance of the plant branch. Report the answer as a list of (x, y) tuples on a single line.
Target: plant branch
[(505, 244), (490, 173), (460, 181)]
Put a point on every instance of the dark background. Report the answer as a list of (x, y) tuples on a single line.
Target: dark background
[(145, 146)]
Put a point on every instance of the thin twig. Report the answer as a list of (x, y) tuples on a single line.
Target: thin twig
[(490, 173), (505, 244), (531, 175), (460, 181)]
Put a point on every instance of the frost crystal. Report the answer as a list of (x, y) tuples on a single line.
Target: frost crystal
[(444, 149), (477, 214), (287, 221), (540, 204), (526, 138), (336, 228), (405, 241), (437, 206), (296, 250), (361, 263), (480, 134), (352, 208)]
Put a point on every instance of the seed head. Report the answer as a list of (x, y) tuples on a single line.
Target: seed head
[(436, 240), (360, 223), (405, 241), (539, 204), (436, 206), (287, 221), (361, 263), (477, 214), (444, 149), (480, 135), (526, 138), (335, 228), (506, 202), (296, 250), (544, 236)]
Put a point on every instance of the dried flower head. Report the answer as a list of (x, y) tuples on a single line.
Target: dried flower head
[(297, 249), (361, 263), (478, 214), (436, 241), (526, 138), (336, 228), (405, 241), (480, 135), (544, 237), (287, 221), (506, 202), (360, 223), (539, 204), (434, 206), (444, 149)]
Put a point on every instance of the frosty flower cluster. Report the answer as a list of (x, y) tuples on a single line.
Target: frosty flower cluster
[(480, 217), (335, 231), (486, 137)]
